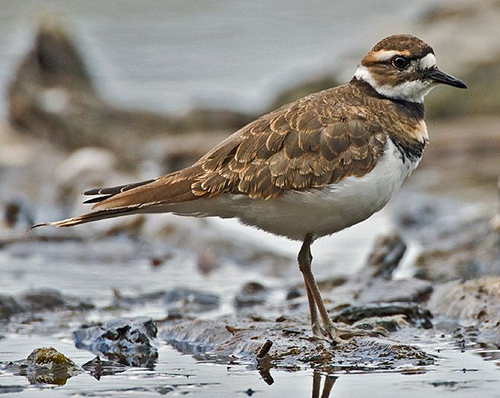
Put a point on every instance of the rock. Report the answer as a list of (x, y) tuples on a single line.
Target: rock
[(51, 300), (54, 97), (424, 216), (49, 358), (43, 300), (389, 291), (40, 300), (412, 313), (17, 214), (293, 293), (129, 341), (196, 337), (386, 254), (374, 283), (45, 366), (181, 300), (9, 306), (99, 368), (469, 311), (468, 251), (251, 294), (474, 302), (190, 300), (456, 239), (292, 345), (382, 324)]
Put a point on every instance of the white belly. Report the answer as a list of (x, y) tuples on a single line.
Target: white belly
[(318, 211)]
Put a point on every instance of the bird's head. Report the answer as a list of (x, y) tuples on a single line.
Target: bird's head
[(403, 67)]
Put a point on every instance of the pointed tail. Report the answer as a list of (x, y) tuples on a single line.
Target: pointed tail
[(145, 196), (89, 217)]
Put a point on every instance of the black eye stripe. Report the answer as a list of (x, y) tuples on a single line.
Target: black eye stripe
[(409, 58), (389, 61)]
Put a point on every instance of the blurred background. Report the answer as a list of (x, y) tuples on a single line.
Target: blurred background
[(101, 93), (154, 85), (171, 56)]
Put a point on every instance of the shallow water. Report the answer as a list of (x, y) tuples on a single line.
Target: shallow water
[(455, 374), (92, 269)]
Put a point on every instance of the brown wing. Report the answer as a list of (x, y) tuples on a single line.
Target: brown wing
[(318, 140), (308, 144)]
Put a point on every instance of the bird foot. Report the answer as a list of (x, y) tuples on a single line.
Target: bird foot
[(318, 330)]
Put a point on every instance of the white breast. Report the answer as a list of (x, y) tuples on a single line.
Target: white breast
[(319, 211)]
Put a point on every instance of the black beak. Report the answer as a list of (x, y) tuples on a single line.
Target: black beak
[(445, 78)]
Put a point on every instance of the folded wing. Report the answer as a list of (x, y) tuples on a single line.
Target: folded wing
[(308, 144)]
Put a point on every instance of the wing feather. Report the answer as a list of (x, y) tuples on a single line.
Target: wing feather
[(308, 144)]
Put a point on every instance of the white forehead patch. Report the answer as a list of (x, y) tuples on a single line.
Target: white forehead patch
[(429, 61)]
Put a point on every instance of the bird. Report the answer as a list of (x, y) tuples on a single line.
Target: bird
[(308, 169)]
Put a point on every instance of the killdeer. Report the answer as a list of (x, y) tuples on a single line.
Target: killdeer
[(308, 169)]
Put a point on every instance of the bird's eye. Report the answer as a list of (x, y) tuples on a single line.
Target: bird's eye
[(399, 62)]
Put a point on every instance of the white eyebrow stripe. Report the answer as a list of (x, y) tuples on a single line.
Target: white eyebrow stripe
[(385, 55), (427, 62)]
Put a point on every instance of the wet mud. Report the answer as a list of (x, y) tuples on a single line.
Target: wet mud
[(267, 330)]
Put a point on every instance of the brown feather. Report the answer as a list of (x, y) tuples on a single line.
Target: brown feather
[(318, 140), (89, 217)]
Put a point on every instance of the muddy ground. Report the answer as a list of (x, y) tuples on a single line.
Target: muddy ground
[(173, 306)]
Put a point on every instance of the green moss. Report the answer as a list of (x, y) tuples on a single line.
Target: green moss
[(48, 355)]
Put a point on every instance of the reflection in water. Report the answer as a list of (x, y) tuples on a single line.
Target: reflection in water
[(327, 387), (489, 351), (264, 364), (265, 373), (266, 376)]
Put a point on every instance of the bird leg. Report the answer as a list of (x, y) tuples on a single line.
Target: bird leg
[(316, 326), (314, 295), (327, 387), (327, 328), (306, 256)]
